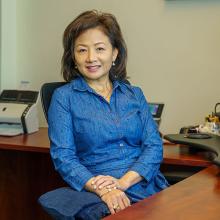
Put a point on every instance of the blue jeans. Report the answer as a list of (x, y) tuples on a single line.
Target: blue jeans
[(68, 204)]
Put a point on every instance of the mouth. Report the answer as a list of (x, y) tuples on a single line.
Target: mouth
[(93, 68)]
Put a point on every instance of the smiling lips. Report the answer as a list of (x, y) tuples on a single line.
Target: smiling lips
[(93, 68)]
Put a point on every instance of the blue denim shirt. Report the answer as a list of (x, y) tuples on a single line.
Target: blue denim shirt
[(90, 136)]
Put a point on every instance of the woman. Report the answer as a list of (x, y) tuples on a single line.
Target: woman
[(103, 137)]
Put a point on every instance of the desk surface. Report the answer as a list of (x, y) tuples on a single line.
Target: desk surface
[(197, 197), (39, 142), (183, 155), (36, 142)]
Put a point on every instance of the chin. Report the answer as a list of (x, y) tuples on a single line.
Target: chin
[(95, 76)]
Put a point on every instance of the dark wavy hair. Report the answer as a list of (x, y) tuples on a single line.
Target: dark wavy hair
[(109, 25)]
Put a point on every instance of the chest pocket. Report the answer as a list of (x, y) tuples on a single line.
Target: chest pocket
[(91, 129)]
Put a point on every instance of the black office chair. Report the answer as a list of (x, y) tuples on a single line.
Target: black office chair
[(46, 93)]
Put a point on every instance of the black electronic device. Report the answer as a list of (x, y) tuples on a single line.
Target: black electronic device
[(197, 136), (189, 129), (156, 110), (19, 96)]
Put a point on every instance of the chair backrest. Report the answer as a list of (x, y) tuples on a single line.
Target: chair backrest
[(47, 90)]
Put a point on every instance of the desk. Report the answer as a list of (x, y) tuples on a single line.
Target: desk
[(26, 172), (197, 197)]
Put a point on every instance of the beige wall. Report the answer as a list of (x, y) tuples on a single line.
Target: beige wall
[(8, 43), (174, 50)]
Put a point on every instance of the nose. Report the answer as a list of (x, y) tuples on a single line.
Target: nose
[(91, 56)]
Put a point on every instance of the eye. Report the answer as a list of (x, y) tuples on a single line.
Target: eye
[(81, 50), (100, 49)]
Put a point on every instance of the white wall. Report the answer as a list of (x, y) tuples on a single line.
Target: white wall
[(8, 44), (174, 50)]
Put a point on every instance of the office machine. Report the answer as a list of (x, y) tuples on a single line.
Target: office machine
[(156, 111), (18, 112)]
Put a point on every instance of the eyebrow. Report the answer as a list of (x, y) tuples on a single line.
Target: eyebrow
[(84, 45)]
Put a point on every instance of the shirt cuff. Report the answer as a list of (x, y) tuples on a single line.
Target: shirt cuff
[(146, 171), (78, 182)]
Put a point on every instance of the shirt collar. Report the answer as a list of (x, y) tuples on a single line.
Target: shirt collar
[(123, 86), (81, 85), (116, 84)]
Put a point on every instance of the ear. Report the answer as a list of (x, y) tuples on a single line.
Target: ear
[(114, 54)]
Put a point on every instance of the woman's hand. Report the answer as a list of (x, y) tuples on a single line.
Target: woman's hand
[(109, 182), (116, 200)]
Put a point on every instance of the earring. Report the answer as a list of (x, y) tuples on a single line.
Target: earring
[(113, 63), (75, 67)]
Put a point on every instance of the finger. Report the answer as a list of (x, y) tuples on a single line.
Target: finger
[(126, 201), (120, 204), (99, 180), (108, 184), (129, 201), (95, 179), (113, 186), (103, 180), (111, 205), (112, 210), (116, 205)]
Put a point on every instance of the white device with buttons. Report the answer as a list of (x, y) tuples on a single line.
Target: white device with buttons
[(18, 112)]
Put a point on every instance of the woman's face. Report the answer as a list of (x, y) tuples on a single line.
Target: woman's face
[(94, 54)]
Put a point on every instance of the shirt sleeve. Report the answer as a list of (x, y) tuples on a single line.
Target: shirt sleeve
[(148, 163), (63, 148)]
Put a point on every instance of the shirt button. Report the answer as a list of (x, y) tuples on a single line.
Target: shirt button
[(121, 145)]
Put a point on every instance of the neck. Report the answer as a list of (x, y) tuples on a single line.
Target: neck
[(101, 85), (103, 88)]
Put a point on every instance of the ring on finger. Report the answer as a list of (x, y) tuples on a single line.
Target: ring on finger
[(115, 206)]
